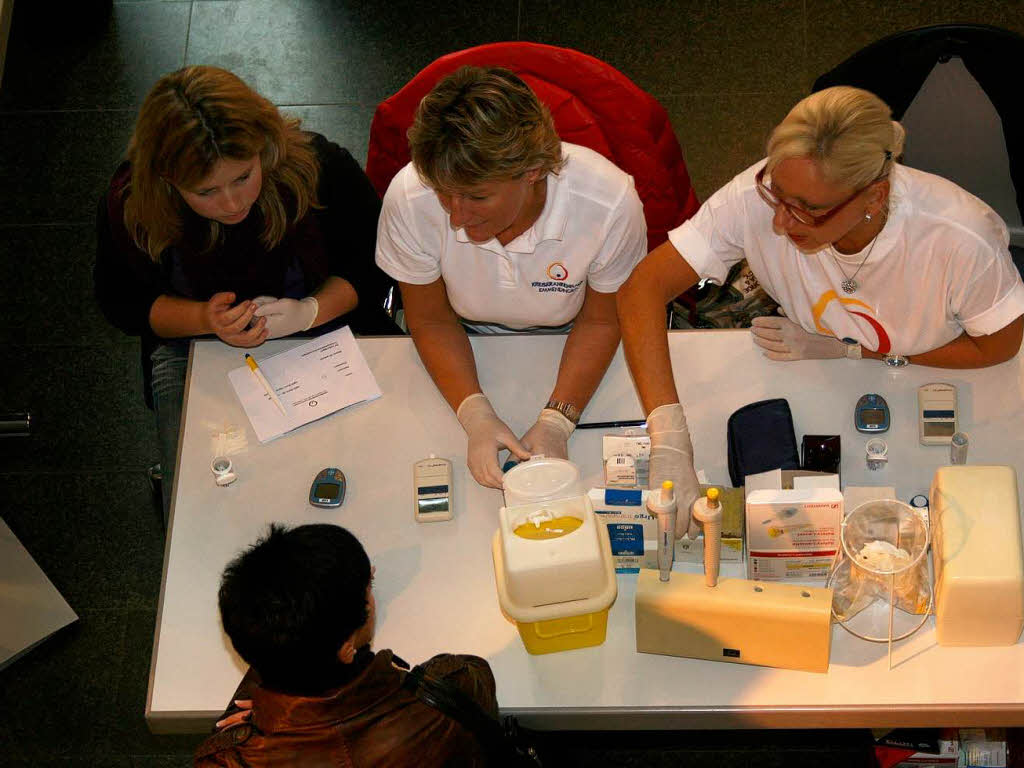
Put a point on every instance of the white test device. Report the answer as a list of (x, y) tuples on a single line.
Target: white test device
[(936, 413), (433, 500)]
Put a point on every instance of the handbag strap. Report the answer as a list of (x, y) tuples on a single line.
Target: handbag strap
[(450, 700)]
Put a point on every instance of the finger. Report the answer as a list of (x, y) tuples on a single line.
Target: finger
[(239, 322), (765, 322), (481, 475), (769, 334), (271, 308), (222, 299), (243, 703), (781, 356), (235, 719), (233, 314), (783, 312), (772, 345), (253, 336), (514, 446)]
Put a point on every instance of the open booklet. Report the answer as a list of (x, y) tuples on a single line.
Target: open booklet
[(312, 380)]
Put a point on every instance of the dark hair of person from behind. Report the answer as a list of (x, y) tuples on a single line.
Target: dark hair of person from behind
[(481, 125), (191, 119), (292, 599)]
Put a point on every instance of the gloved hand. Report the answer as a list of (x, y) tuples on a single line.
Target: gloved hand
[(549, 435), (782, 339), (288, 316), (259, 301), (672, 459), (487, 435)]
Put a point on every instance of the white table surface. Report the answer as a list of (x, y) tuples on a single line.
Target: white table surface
[(435, 584)]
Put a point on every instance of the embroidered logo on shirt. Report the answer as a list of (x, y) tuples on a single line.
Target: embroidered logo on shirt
[(557, 271), (884, 344)]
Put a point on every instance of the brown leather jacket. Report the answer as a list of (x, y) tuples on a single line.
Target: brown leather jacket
[(371, 721)]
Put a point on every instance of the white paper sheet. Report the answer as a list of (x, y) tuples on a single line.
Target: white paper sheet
[(312, 380)]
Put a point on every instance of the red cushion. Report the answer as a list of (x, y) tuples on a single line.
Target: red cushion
[(593, 105)]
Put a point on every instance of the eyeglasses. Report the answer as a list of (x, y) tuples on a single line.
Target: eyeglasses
[(804, 217)]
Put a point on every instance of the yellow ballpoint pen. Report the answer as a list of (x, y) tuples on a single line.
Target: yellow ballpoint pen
[(251, 362)]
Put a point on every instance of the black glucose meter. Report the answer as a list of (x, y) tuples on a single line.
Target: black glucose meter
[(871, 414), (328, 488)]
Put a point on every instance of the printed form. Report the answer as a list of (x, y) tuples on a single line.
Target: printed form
[(312, 380)]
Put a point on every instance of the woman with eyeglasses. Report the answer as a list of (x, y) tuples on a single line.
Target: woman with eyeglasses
[(866, 258)]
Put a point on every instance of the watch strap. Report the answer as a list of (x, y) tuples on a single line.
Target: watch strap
[(570, 411)]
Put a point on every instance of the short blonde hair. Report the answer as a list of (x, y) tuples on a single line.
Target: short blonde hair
[(191, 119), (848, 131), (481, 125)]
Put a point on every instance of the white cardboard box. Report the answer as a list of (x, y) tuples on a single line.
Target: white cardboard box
[(792, 535)]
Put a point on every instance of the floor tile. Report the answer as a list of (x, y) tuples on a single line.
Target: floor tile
[(130, 733), (672, 47), (55, 699), (47, 290), (63, 162), (345, 124), (101, 545), (164, 761), (87, 407), (836, 29), (998, 13), (91, 57), (723, 133), (323, 52)]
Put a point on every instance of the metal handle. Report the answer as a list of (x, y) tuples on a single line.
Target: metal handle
[(16, 424)]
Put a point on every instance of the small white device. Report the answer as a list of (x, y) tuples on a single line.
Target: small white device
[(223, 472), (875, 452), (936, 413), (432, 490)]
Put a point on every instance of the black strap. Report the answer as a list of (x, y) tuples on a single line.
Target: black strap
[(500, 741)]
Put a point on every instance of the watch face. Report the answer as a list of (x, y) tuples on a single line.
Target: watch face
[(896, 361)]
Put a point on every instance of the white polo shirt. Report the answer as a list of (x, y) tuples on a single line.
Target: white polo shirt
[(591, 232), (940, 265)]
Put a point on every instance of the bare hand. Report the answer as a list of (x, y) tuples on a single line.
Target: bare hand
[(231, 323), (239, 717)]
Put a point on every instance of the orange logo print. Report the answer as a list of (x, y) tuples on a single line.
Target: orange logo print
[(884, 345), (557, 271)]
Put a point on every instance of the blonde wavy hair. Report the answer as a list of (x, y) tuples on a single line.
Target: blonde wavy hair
[(848, 131), (481, 125), (189, 121)]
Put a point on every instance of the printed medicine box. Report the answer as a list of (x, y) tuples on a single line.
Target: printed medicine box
[(792, 534)]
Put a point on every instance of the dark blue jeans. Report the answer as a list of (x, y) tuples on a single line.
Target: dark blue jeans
[(170, 362)]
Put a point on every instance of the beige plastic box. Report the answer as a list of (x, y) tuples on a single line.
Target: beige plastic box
[(976, 551)]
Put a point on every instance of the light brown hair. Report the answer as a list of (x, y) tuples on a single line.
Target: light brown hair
[(193, 118), (848, 131), (481, 125)]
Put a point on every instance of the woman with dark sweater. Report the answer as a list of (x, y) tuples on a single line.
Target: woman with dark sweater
[(227, 220)]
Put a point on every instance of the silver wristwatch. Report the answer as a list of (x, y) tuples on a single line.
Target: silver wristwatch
[(895, 361)]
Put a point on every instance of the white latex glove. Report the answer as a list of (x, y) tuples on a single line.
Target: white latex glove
[(487, 435), (550, 435), (288, 316), (259, 301), (782, 339), (672, 459)]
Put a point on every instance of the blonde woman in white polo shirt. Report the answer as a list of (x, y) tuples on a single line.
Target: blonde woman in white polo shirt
[(866, 257), (497, 225)]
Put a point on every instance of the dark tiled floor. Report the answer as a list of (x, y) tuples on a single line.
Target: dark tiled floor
[(75, 74)]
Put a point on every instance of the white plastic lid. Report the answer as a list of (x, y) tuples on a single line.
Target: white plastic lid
[(541, 479)]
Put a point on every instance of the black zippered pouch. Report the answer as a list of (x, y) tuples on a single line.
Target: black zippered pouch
[(761, 437)]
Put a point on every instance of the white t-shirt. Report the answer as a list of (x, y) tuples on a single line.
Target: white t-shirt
[(940, 265), (591, 232)]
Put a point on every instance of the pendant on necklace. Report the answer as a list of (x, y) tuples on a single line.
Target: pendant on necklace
[(849, 285)]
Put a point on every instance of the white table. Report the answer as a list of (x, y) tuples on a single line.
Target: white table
[(435, 584)]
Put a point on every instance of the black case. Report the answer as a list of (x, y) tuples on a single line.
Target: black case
[(761, 437)]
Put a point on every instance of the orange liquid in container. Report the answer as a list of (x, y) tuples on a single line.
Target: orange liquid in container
[(549, 529)]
